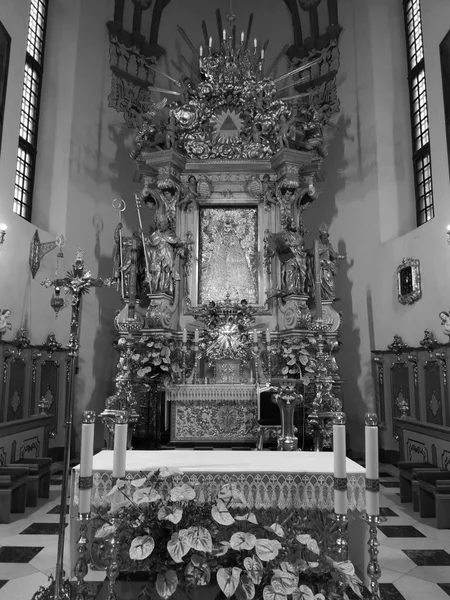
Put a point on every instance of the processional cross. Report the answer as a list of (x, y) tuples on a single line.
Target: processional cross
[(77, 282)]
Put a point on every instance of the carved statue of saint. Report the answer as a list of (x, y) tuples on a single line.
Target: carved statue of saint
[(122, 262), (162, 248), (268, 191), (445, 321), (294, 269), (328, 264), (4, 323), (190, 194)]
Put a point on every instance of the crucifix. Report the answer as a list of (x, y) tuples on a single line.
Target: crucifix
[(77, 282)]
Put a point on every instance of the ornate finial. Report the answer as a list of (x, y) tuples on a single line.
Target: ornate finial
[(339, 418), (89, 416), (121, 417), (51, 344), (371, 420), (397, 345), (429, 342), (21, 340), (80, 255)]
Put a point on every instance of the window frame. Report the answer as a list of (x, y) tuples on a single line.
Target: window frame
[(23, 191), (416, 68)]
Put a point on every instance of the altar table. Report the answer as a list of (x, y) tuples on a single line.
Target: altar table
[(267, 479)]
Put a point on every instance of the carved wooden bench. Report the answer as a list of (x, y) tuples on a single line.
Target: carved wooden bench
[(434, 490), (13, 492), (406, 478), (38, 478)]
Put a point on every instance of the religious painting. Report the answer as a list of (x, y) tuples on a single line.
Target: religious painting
[(228, 263), (5, 43), (408, 281)]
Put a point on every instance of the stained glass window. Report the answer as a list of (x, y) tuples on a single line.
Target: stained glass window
[(29, 115), (419, 112)]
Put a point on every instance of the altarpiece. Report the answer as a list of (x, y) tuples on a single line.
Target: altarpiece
[(224, 294)]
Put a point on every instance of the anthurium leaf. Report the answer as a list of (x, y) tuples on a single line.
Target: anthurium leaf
[(228, 580), (309, 542), (182, 492), (304, 360), (117, 506), (276, 528), (106, 529), (267, 549), (197, 571), (221, 549), (120, 483), (270, 594), (199, 538), (346, 567), (145, 496), (141, 547), (166, 583), (284, 582), (289, 567), (246, 588), (221, 514), (165, 472), (250, 517), (166, 514), (254, 568), (178, 545), (137, 483), (304, 592), (242, 541)]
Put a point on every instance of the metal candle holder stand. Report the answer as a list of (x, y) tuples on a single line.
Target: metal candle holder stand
[(113, 570), (373, 568), (82, 565), (183, 362), (342, 538), (196, 362)]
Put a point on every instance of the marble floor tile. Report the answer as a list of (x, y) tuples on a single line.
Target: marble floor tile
[(414, 543), (41, 529), (56, 510), (395, 560), (16, 570), (23, 588), (417, 589), (388, 591), (383, 474), (46, 559), (429, 558), (432, 573), (402, 531), (18, 554), (385, 511), (389, 576), (445, 587), (390, 484)]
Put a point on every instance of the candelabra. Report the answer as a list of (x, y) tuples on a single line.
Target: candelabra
[(342, 538), (81, 567), (113, 568), (373, 568)]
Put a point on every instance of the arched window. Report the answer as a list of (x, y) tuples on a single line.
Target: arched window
[(419, 112), (29, 115)]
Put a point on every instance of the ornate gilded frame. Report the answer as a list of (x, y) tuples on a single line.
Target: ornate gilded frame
[(409, 287)]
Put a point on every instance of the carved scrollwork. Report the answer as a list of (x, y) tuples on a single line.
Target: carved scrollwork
[(397, 346), (428, 342), (51, 345), (442, 359)]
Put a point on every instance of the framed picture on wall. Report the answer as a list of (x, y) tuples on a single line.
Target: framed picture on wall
[(409, 281), (5, 44)]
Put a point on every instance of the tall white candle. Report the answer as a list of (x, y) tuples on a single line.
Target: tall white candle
[(201, 50), (372, 469), (184, 336), (339, 462), (242, 37), (210, 42), (268, 336), (196, 336), (120, 444), (262, 54), (87, 453), (255, 336), (224, 33)]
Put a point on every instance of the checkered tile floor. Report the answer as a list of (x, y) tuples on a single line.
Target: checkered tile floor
[(414, 555)]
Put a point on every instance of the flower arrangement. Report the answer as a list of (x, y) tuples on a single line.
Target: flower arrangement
[(295, 359), (163, 527)]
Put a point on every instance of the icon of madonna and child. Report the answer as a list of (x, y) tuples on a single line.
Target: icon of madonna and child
[(228, 254)]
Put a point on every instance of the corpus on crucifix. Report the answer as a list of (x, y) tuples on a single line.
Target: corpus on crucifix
[(77, 282)]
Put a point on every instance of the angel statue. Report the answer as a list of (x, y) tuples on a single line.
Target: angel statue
[(4, 323), (445, 321), (190, 194), (147, 131)]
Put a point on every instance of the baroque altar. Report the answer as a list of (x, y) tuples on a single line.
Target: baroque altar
[(224, 293)]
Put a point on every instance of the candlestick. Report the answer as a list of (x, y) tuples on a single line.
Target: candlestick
[(87, 453), (184, 336), (196, 336), (242, 37), (268, 336), (255, 336), (120, 444), (340, 466), (318, 280), (372, 476)]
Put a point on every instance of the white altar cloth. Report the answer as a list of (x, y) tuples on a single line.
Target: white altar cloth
[(297, 478), (268, 479)]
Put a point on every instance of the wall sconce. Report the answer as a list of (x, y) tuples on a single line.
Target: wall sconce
[(3, 229), (448, 233)]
